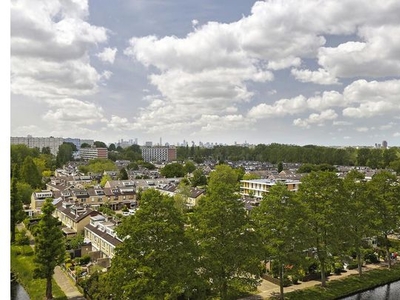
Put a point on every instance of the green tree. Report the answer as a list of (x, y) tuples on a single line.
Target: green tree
[(278, 220), (189, 167), (76, 242), (123, 175), (112, 147), (198, 178), (322, 194), (357, 213), (46, 150), (229, 247), (280, 167), (25, 192), (85, 145), (64, 154), (384, 193), (49, 246), (17, 214), (389, 155), (104, 180), (30, 173), (153, 262), (99, 144), (172, 170), (363, 156)]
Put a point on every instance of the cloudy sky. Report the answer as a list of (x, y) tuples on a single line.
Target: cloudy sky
[(321, 72)]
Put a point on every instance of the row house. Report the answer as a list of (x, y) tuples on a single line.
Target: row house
[(258, 187), (100, 233), (73, 217), (38, 199), (172, 189)]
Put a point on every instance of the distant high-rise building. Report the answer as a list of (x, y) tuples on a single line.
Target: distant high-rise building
[(384, 144), (159, 154), (39, 142)]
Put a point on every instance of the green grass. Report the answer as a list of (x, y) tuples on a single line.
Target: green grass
[(22, 266), (352, 284)]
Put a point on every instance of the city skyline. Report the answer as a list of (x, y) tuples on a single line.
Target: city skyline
[(291, 72)]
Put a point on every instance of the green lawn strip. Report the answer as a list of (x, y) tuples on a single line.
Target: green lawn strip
[(349, 285), (22, 267)]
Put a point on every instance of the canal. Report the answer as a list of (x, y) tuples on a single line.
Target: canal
[(18, 292), (389, 291)]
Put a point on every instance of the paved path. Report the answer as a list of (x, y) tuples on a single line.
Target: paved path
[(267, 289), (67, 285)]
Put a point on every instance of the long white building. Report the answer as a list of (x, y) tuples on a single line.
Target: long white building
[(39, 142)]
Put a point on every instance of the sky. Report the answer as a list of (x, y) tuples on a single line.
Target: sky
[(322, 72)]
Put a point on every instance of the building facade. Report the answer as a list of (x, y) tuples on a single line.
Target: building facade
[(92, 153), (39, 142), (258, 187), (158, 154)]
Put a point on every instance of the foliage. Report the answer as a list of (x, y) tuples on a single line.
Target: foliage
[(384, 192), (104, 180), (278, 221), (99, 144), (189, 167), (64, 154), (17, 214), (198, 178), (229, 248), (322, 195), (154, 261), (30, 174), (172, 170), (85, 145), (25, 192), (49, 246), (75, 242), (123, 175)]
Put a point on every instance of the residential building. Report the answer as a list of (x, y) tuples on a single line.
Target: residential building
[(100, 232), (38, 199), (258, 187), (159, 154), (39, 142), (73, 216), (92, 153)]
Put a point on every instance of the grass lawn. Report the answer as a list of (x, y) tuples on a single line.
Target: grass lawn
[(22, 266)]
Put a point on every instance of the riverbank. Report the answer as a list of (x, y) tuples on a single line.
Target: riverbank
[(338, 286)]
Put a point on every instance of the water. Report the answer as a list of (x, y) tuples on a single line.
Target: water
[(390, 291), (18, 292)]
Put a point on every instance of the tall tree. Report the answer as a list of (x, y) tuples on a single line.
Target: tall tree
[(123, 175), (49, 246), (228, 245), (357, 213), (278, 221), (99, 144), (30, 173), (153, 262), (384, 193), (64, 154), (17, 214), (172, 170), (322, 192)]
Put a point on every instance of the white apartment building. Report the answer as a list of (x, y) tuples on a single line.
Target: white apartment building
[(258, 187), (39, 142), (158, 154), (92, 153)]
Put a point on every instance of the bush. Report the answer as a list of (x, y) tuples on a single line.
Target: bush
[(352, 266), (371, 257)]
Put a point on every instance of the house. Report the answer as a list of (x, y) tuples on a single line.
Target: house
[(74, 217), (100, 233), (258, 187)]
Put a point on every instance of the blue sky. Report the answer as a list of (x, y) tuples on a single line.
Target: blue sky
[(288, 71)]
